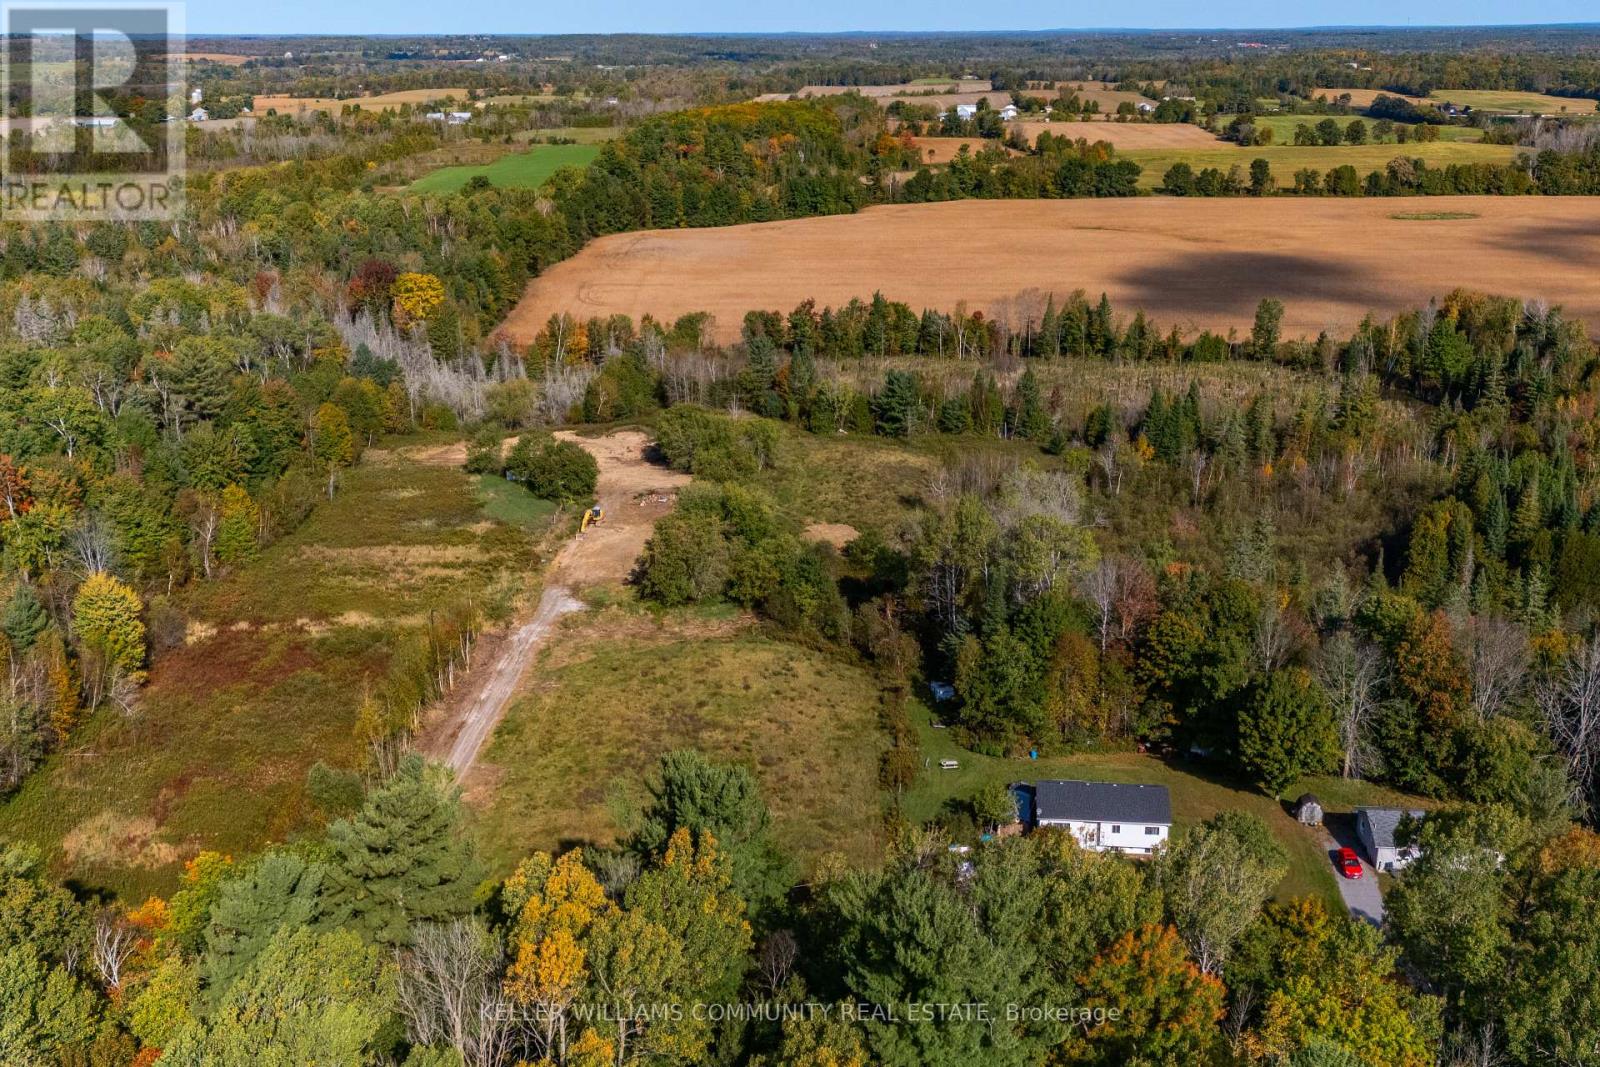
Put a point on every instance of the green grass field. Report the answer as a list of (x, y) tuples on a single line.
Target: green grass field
[(1283, 127), (524, 170), (276, 659), (1285, 160), (1514, 101), (1196, 796), (618, 689)]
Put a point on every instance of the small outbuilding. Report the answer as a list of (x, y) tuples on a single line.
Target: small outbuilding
[(1308, 810)]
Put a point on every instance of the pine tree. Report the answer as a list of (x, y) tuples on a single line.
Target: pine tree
[(403, 859), (280, 890), (1528, 519), (1030, 420), (1102, 332), (1049, 330), (24, 619)]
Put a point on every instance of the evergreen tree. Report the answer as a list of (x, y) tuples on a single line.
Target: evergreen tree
[(24, 619), (280, 890), (1030, 419), (689, 792), (895, 406), (404, 858)]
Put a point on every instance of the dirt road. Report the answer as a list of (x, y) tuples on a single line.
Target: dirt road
[(634, 493)]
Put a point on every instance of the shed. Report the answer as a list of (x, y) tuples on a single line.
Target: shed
[(1308, 810)]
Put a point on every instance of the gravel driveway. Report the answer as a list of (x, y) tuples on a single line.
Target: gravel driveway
[(1362, 895)]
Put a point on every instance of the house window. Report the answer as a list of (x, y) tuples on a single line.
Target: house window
[(1152, 831), (1116, 829)]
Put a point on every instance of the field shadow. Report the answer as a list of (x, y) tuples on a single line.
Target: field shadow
[(1234, 283), (1575, 242)]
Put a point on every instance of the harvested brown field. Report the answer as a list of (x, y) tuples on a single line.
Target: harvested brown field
[(966, 85), (291, 105), (1364, 97), (1124, 134), (1193, 263), (229, 59), (1103, 93), (944, 149)]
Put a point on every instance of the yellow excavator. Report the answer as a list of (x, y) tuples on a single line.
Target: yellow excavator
[(593, 517)]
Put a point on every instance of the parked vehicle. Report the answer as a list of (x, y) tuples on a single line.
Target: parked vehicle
[(1349, 863)]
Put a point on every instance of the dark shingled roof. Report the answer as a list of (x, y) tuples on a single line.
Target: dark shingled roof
[(1384, 822), (1102, 802)]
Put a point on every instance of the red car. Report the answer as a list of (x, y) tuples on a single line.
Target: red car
[(1349, 863)]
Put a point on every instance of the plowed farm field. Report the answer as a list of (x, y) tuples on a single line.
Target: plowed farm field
[(1125, 135), (1192, 263)]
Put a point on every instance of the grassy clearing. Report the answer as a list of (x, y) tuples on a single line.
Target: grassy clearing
[(1286, 159), (866, 482), (513, 505), (1433, 216), (267, 684), (618, 689), (1196, 796), (524, 170)]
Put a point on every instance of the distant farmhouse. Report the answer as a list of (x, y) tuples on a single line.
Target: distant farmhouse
[(451, 118), (1106, 816), (1376, 829)]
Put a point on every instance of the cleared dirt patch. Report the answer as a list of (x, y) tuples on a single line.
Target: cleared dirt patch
[(944, 149), (837, 534), (1123, 134), (1188, 262)]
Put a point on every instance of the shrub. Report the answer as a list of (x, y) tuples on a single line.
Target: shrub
[(554, 470)]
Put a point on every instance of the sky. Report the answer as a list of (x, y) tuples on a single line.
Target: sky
[(765, 16)]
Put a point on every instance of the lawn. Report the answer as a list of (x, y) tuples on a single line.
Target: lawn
[(1197, 795), (523, 170), (618, 689), (1286, 159), (265, 684)]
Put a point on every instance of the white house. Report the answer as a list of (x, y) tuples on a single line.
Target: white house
[(199, 114), (1008, 112), (966, 111), (452, 118), (1106, 816), (195, 96), (1376, 827)]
